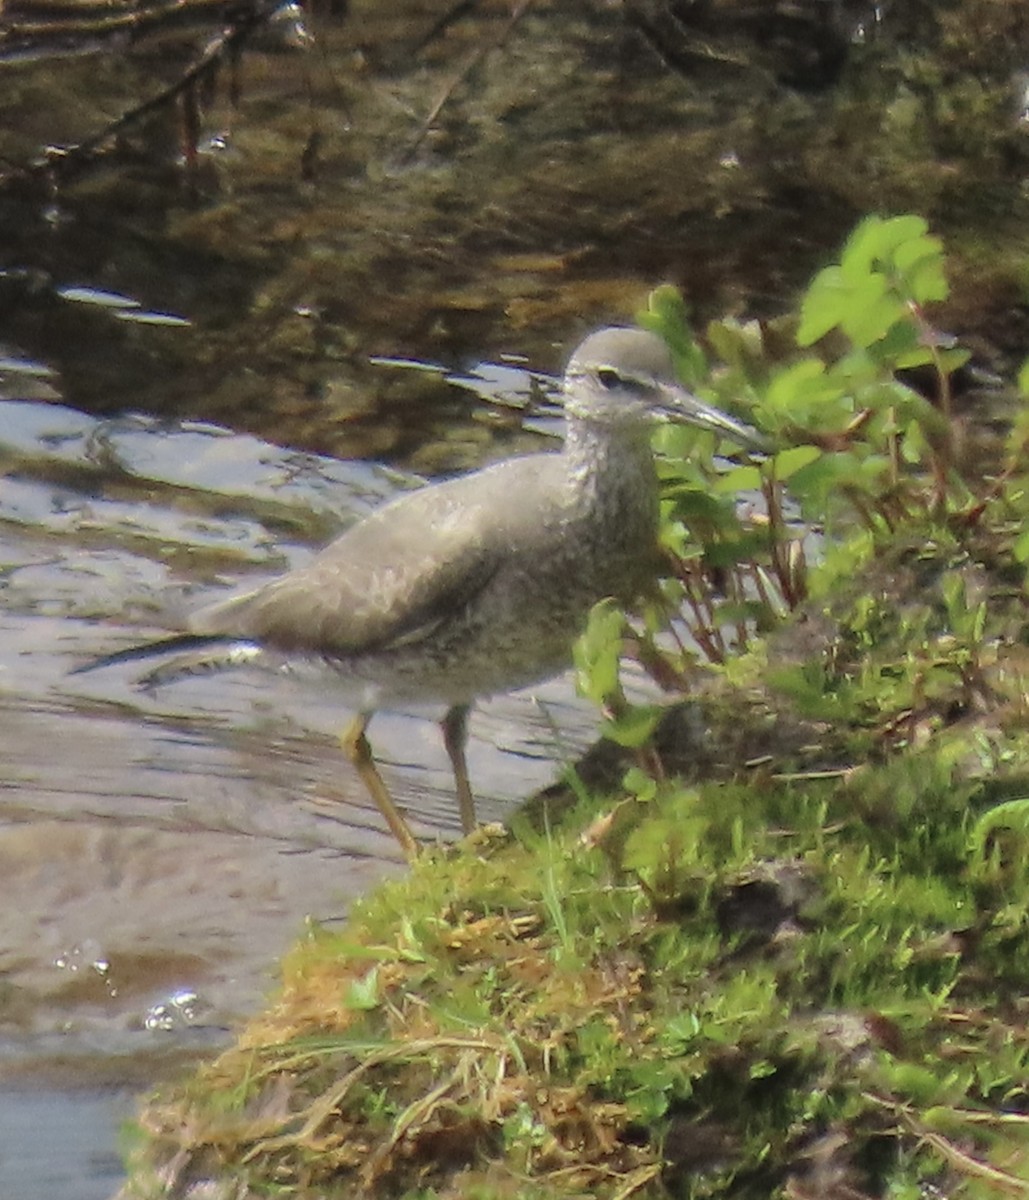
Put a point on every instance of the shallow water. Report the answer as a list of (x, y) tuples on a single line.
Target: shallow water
[(165, 847), (59, 1144)]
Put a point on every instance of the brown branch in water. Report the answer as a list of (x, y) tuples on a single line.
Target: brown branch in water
[(461, 8), (58, 162), (95, 23), (474, 59)]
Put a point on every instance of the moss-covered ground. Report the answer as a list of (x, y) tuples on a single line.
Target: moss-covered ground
[(804, 975)]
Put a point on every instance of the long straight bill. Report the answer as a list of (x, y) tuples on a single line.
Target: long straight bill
[(681, 405)]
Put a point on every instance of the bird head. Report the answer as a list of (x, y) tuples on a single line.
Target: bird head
[(626, 378)]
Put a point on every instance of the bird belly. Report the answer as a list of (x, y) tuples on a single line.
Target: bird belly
[(458, 670), (519, 632)]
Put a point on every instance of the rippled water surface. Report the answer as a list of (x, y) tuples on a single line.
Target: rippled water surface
[(164, 847), (168, 339), (59, 1144)]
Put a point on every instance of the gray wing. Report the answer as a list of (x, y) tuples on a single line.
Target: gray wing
[(395, 576)]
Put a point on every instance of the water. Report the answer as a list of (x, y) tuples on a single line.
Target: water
[(165, 847), (55, 1144)]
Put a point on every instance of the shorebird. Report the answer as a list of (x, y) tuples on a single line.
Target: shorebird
[(474, 585)]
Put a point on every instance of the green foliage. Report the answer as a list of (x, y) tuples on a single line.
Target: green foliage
[(597, 655), (666, 315), (865, 468), (861, 449), (363, 994), (917, 597), (887, 268)]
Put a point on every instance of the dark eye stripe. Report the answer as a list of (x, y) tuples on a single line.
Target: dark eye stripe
[(609, 378)]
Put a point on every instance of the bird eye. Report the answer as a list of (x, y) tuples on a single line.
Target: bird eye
[(608, 378)]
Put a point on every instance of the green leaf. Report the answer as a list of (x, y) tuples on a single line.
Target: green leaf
[(363, 994), (1023, 378), (953, 357), (634, 727), (876, 240), (731, 551), (823, 481), (904, 338), (795, 380), (737, 343), (955, 599), (733, 612), (911, 1080), (926, 282), (807, 395), (597, 652), (917, 250), (979, 622), (862, 248), (666, 307), (913, 446), (873, 313), (638, 783), (920, 356), (1012, 814), (788, 462), (738, 479), (703, 510), (823, 307), (666, 315)]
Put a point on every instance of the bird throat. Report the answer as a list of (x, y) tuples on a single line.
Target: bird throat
[(614, 491)]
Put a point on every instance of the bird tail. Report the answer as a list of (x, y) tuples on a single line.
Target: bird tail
[(191, 654)]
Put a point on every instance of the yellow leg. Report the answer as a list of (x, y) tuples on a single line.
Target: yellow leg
[(455, 738), (358, 750)]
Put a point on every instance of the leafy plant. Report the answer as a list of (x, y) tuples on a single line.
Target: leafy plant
[(856, 391)]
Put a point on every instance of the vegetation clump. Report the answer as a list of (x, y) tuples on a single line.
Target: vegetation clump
[(795, 967)]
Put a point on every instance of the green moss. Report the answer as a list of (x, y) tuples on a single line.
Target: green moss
[(780, 963)]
